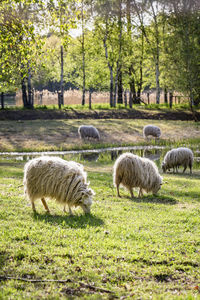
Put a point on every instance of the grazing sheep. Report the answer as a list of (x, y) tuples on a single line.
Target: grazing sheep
[(176, 158), (88, 131), (151, 130), (55, 178), (133, 171)]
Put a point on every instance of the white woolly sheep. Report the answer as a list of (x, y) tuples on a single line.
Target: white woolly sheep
[(88, 131), (176, 158), (133, 171), (55, 178), (151, 130)]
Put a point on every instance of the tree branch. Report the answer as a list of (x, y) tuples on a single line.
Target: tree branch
[(92, 287)]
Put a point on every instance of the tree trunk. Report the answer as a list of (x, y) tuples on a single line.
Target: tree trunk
[(170, 99), (148, 99), (2, 100), (165, 96), (141, 71), (119, 75), (90, 99), (157, 84), (24, 93), (120, 88), (30, 98), (116, 87), (125, 98), (110, 69), (111, 87), (41, 95), (83, 53), (133, 91), (61, 94), (130, 99), (191, 100)]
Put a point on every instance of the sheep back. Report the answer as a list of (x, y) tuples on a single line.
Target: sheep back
[(133, 171), (88, 131), (55, 178), (151, 130), (178, 157)]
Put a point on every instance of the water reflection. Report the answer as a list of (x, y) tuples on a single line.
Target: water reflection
[(154, 153), (89, 156)]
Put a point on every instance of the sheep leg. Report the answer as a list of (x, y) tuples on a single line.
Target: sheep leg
[(140, 193), (185, 167), (33, 206), (118, 194), (45, 205), (190, 169), (190, 166), (70, 211), (131, 191)]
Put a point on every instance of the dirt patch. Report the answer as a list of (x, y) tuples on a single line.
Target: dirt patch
[(101, 114)]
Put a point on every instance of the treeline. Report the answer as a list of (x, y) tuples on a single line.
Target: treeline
[(120, 46)]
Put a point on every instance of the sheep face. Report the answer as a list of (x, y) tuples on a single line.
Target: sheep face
[(86, 201), (164, 167), (157, 186)]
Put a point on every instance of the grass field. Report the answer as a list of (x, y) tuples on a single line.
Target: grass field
[(145, 248), (127, 248), (43, 135)]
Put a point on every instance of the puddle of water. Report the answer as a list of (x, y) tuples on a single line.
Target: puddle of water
[(155, 153)]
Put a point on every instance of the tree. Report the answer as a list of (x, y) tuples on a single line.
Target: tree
[(62, 18), (96, 75), (184, 47), (19, 44)]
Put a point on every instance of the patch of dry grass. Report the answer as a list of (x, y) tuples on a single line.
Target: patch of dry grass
[(43, 135)]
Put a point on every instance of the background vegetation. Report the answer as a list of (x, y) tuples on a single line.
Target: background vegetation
[(124, 47)]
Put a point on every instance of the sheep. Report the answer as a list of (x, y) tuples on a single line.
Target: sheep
[(133, 171), (55, 178), (176, 158), (88, 131), (151, 130)]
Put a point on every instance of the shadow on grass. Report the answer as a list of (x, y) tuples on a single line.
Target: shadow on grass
[(3, 258), (74, 221), (184, 175), (160, 199)]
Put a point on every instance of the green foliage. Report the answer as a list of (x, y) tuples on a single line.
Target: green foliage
[(32, 32), (96, 70), (19, 43), (182, 54)]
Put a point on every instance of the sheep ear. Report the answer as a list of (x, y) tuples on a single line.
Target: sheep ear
[(91, 192)]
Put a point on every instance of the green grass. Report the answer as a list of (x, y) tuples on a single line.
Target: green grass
[(105, 106), (145, 248)]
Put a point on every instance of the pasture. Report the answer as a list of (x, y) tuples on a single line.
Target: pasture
[(126, 249), (51, 135)]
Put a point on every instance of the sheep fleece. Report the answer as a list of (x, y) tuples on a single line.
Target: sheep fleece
[(151, 130), (133, 171), (178, 157), (87, 131), (53, 177)]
